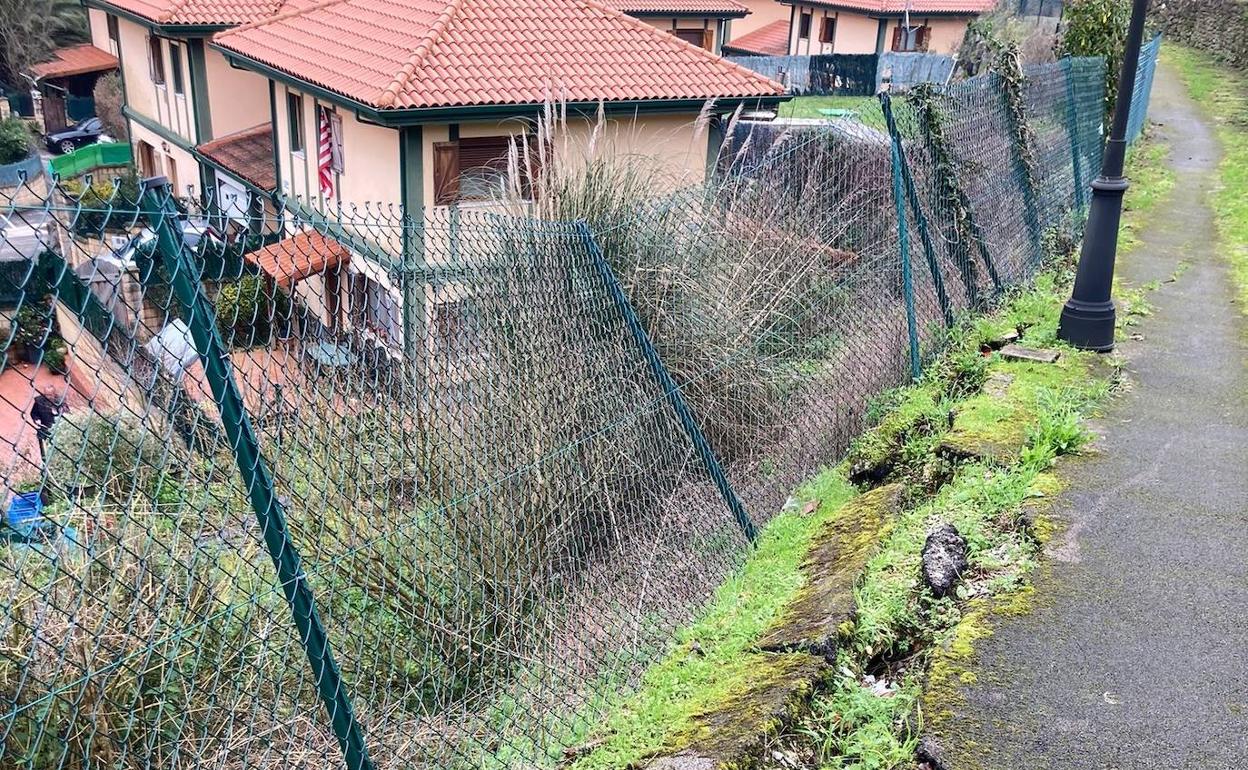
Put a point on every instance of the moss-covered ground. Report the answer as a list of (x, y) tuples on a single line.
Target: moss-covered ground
[(1223, 93)]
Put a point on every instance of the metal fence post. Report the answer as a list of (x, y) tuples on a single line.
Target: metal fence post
[(912, 194), (907, 277), (157, 206), (671, 390)]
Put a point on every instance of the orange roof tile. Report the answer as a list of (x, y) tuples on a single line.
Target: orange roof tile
[(680, 7), (769, 40), (896, 7), (301, 256), (74, 60), (205, 12), (248, 154), (414, 54)]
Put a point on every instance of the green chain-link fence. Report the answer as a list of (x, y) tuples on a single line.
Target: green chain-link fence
[(433, 493)]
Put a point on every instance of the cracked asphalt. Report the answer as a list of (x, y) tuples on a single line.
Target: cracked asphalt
[(1136, 654)]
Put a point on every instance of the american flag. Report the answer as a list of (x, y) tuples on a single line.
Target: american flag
[(325, 155)]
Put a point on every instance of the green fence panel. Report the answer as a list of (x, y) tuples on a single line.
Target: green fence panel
[(92, 158)]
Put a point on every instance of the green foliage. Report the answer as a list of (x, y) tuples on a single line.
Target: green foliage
[(35, 323), (249, 312), (116, 455), (16, 141), (1098, 28), (105, 204)]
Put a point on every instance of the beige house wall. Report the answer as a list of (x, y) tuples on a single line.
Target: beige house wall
[(237, 98), (947, 32), (97, 20), (856, 33), (174, 162), (370, 175), (159, 104), (762, 13), (669, 24)]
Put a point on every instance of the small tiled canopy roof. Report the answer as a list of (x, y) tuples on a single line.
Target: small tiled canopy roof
[(248, 154), (74, 60), (718, 8), (769, 40), (419, 54), (293, 259), (896, 7), (205, 12)]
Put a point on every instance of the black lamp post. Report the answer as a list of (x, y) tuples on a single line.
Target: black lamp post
[(1088, 317)]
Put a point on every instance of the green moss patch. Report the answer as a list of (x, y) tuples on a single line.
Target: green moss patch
[(824, 608)]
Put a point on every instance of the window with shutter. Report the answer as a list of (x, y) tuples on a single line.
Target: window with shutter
[(483, 165), (827, 31), (694, 36), (156, 60), (445, 173), (911, 39), (803, 27)]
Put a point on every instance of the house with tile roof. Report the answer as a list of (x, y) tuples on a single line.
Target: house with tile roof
[(764, 32), (876, 26), (182, 97), (426, 97), (422, 105), (704, 23)]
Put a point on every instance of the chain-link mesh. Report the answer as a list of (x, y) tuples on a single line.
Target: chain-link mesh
[(433, 493)]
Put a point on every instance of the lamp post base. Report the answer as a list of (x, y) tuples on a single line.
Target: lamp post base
[(1088, 325)]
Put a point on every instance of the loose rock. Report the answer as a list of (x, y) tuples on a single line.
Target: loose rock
[(928, 754), (944, 559)]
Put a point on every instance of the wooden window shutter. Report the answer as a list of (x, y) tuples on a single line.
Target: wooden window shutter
[(445, 173), (898, 31), (924, 37), (708, 39)]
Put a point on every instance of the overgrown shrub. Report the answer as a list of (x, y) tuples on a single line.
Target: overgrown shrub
[(122, 459), (250, 312), (16, 141), (105, 204), (1098, 28), (108, 103)]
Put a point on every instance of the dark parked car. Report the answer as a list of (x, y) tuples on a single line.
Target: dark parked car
[(86, 131)]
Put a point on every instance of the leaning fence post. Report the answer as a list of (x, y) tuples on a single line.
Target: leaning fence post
[(907, 278), (675, 397), (157, 206), (912, 194)]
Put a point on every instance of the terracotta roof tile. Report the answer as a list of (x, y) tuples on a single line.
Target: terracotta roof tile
[(680, 7), (206, 12), (248, 154), (293, 259), (894, 7), (413, 54), (769, 40), (74, 60)]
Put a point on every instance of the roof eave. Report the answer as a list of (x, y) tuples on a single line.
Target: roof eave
[(159, 27), (395, 118), (877, 14), (699, 14)]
